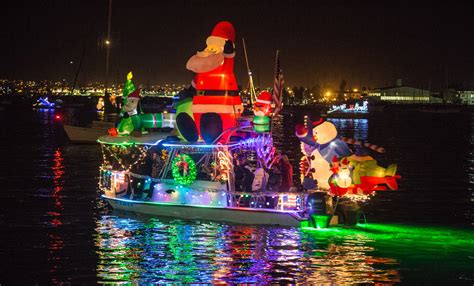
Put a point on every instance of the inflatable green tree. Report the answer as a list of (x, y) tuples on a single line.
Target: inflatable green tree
[(128, 88)]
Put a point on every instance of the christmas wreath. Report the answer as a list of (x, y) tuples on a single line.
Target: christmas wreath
[(184, 169)]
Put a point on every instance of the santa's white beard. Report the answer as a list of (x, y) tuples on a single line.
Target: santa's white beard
[(201, 64)]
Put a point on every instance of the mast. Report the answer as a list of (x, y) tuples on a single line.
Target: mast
[(253, 96), (107, 43), (78, 68)]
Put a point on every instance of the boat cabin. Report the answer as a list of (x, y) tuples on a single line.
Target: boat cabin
[(160, 169)]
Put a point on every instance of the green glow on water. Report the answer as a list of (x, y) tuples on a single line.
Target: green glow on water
[(146, 250), (422, 253), (448, 237)]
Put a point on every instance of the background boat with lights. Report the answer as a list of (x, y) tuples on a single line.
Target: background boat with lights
[(346, 110)]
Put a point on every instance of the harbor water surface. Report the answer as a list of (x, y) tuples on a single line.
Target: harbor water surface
[(56, 229)]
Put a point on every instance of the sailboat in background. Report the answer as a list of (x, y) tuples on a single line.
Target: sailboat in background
[(77, 134)]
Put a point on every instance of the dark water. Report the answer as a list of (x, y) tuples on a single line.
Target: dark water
[(56, 229)]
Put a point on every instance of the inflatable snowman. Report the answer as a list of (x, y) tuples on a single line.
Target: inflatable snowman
[(321, 143)]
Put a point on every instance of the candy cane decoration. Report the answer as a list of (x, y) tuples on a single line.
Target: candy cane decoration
[(365, 144), (225, 164)]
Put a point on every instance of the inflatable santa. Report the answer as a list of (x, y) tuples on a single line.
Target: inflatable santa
[(217, 104)]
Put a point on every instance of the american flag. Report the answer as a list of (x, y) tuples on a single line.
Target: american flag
[(277, 86)]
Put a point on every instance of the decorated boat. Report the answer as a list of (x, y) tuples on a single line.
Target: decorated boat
[(218, 164), (44, 103), (348, 110)]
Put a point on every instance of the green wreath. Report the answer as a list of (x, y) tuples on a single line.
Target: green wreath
[(183, 169)]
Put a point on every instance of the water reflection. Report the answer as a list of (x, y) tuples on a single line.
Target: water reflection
[(352, 128), (157, 250), (56, 241)]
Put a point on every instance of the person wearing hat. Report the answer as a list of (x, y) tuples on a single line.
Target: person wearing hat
[(217, 104), (262, 109)]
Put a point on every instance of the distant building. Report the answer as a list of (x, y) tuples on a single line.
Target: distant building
[(467, 96), (402, 94), (352, 94)]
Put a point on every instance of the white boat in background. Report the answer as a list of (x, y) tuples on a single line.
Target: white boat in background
[(78, 134)]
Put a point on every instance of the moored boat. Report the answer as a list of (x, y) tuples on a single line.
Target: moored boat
[(77, 134)]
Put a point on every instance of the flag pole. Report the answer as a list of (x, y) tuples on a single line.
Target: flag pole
[(277, 100)]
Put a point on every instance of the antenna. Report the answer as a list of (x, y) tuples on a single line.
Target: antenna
[(78, 68), (253, 96)]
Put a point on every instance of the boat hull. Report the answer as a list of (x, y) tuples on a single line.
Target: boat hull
[(233, 215), (84, 135)]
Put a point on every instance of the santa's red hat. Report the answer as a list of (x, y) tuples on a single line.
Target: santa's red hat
[(224, 30), (135, 94), (334, 159), (301, 131), (345, 161), (264, 98)]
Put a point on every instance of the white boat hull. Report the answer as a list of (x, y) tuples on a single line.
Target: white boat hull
[(228, 214), (83, 134)]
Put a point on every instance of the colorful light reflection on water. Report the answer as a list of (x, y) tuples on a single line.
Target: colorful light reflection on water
[(157, 250), (57, 230)]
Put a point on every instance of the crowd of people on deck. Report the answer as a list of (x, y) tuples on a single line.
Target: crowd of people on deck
[(277, 178)]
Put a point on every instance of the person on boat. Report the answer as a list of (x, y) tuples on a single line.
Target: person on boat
[(286, 170), (212, 173), (153, 166), (260, 180), (130, 191), (274, 174), (156, 165), (135, 182), (243, 175)]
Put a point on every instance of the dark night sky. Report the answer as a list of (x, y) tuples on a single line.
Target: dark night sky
[(365, 43)]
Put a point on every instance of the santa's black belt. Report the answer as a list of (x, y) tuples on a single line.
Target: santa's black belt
[(212, 92)]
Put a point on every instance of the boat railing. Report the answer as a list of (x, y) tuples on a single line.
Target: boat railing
[(266, 199)]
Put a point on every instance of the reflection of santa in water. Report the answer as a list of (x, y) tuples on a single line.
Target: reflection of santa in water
[(217, 104)]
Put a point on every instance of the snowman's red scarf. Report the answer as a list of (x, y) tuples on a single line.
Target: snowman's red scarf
[(371, 146)]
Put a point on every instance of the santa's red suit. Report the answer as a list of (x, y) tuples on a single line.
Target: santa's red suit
[(217, 94)]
